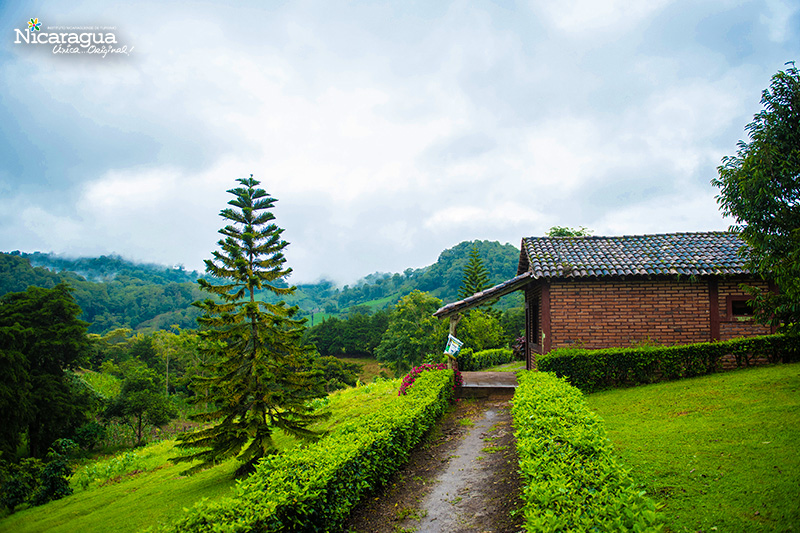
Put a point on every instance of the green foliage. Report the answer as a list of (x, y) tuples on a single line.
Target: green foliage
[(54, 477), (121, 294), (90, 435), (19, 481), (260, 377), (41, 338), (475, 277), (358, 334), (572, 481), (480, 330), (35, 482), (760, 189), (336, 373), (149, 491), (592, 370), (411, 377), (513, 323), (413, 332), (559, 231), (125, 296), (141, 402), (99, 472), (469, 361), (314, 488), (444, 278)]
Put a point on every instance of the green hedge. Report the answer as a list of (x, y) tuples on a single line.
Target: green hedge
[(470, 362), (314, 488), (571, 481), (592, 370)]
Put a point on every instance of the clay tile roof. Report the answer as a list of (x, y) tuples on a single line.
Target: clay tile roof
[(688, 254)]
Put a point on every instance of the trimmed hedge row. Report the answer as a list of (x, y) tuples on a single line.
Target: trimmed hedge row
[(314, 488), (470, 362), (592, 370), (571, 481)]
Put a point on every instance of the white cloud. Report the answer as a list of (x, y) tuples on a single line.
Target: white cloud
[(484, 217), (387, 132), (575, 16)]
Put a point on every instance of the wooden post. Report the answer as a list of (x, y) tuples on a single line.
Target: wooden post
[(452, 363)]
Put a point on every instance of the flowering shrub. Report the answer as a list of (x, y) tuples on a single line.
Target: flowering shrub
[(417, 370)]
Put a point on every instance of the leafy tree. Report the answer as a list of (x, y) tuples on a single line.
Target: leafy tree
[(18, 481), (413, 332), (480, 330), (336, 373), (36, 482), (41, 338), (513, 323), (262, 379), (475, 277), (141, 402), (112, 346), (53, 482), (760, 189), (174, 348), (559, 231)]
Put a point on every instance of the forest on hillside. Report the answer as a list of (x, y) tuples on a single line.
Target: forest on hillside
[(116, 293)]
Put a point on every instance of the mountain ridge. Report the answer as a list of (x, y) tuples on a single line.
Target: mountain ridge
[(115, 292)]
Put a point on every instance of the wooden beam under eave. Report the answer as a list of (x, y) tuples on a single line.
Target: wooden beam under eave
[(547, 337), (713, 308), (454, 319)]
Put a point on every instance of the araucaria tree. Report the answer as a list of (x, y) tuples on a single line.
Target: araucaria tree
[(261, 378), (760, 189), (475, 277)]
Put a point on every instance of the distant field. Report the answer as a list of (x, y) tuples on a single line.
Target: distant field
[(720, 452), (371, 368)]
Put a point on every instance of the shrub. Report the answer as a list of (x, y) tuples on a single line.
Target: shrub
[(415, 372), (571, 480), (36, 483), (314, 487), (591, 370), (469, 361)]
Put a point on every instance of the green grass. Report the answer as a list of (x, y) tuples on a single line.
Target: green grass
[(507, 367), (106, 385), (719, 452), (371, 368), (150, 490)]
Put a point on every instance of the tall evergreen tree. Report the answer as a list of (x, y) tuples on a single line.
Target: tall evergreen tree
[(262, 377), (475, 277)]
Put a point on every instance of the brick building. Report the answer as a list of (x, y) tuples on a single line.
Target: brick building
[(600, 292)]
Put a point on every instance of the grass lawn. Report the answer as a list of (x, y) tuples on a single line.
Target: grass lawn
[(508, 367), (719, 452), (152, 491)]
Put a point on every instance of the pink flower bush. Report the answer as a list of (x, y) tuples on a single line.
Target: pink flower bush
[(408, 381)]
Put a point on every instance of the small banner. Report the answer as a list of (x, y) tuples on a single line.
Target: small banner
[(453, 346)]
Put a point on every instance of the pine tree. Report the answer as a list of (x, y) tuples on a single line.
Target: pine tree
[(261, 377), (475, 277)]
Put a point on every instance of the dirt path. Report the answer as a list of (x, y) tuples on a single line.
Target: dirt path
[(463, 478)]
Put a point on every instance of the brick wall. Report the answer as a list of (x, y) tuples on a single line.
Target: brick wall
[(731, 327), (599, 314)]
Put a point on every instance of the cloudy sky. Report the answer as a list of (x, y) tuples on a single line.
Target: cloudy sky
[(388, 131)]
